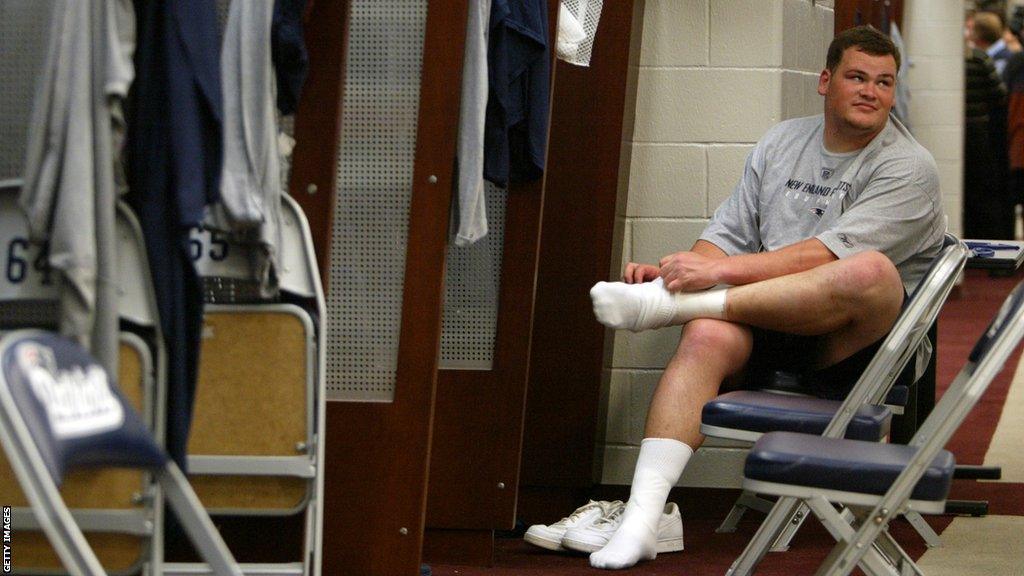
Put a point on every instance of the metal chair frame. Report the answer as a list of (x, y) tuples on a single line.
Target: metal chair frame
[(56, 519), (907, 334), (863, 537)]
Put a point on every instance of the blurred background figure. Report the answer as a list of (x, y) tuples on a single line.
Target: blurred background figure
[(1013, 77), (988, 212)]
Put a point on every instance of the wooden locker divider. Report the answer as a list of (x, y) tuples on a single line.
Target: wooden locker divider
[(377, 453), (850, 13), (592, 105), (314, 179), (475, 459)]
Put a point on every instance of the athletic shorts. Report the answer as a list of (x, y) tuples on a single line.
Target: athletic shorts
[(786, 361)]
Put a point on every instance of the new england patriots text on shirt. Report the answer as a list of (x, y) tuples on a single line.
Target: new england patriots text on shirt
[(812, 189)]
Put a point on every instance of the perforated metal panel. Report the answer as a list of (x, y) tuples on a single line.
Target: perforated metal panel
[(472, 282), (24, 33), (370, 229)]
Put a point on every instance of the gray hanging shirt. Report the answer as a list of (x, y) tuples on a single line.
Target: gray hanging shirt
[(884, 197)]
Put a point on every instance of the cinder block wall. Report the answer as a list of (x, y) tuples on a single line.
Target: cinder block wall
[(711, 77)]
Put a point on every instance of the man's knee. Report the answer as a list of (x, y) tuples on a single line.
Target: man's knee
[(711, 339), (872, 289), (872, 275)]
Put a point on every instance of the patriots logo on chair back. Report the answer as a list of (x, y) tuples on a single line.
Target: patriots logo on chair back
[(78, 401)]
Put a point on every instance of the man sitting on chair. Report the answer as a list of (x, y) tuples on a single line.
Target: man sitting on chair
[(803, 268)]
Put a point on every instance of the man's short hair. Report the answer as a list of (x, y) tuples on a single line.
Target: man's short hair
[(987, 28), (867, 39)]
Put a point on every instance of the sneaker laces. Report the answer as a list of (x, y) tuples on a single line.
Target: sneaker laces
[(613, 515), (576, 514)]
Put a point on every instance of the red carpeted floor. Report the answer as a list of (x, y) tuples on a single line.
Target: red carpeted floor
[(963, 319)]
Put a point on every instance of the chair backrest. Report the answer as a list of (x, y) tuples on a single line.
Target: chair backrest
[(59, 409), (906, 335), (73, 413), (985, 361), (266, 358)]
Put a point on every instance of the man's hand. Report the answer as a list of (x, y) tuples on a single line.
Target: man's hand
[(639, 273), (689, 271)]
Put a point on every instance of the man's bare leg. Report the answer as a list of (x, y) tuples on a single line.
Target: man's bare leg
[(709, 351), (857, 298), (851, 303)]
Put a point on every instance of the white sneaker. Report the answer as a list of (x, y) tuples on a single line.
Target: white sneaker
[(592, 538), (550, 537)]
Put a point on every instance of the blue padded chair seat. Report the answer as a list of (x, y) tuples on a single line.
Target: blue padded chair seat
[(758, 411), (840, 464)]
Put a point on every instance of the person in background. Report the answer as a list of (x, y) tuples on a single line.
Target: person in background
[(994, 211), (1013, 77), (987, 210), (987, 34)]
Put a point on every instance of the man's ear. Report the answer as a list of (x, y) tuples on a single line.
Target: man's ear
[(823, 81)]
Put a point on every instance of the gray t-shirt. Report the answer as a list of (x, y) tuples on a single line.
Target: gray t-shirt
[(884, 197)]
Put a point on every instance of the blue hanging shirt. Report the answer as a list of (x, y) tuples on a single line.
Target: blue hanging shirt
[(175, 152), (519, 80)]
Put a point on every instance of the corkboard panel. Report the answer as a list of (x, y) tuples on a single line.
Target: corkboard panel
[(107, 488), (256, 493), (251, 392), (118, 553)]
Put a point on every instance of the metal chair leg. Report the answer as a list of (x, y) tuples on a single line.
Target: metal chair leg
[(187, 507), (931, 538), (47, 505), (783, 510), (746, 501), (872, 562), (781, 544)]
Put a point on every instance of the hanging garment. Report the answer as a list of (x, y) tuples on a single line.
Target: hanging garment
[(570, 34), (471, 210), (250, 193), (901, 109), (68, 191), (577, 27), (174, 154), (519, 79), (288, 50)]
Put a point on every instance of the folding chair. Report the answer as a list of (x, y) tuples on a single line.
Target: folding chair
[(117, 509), (256, 443), (874, 481), (747, 414), (59, 410)]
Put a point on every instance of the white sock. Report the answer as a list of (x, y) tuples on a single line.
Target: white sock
[(658, 468), (648, 305)]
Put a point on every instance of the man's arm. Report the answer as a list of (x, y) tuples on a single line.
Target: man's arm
[(707, 265)]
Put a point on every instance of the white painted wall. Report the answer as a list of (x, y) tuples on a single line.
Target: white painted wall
[(710, 77), (933, 31)]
